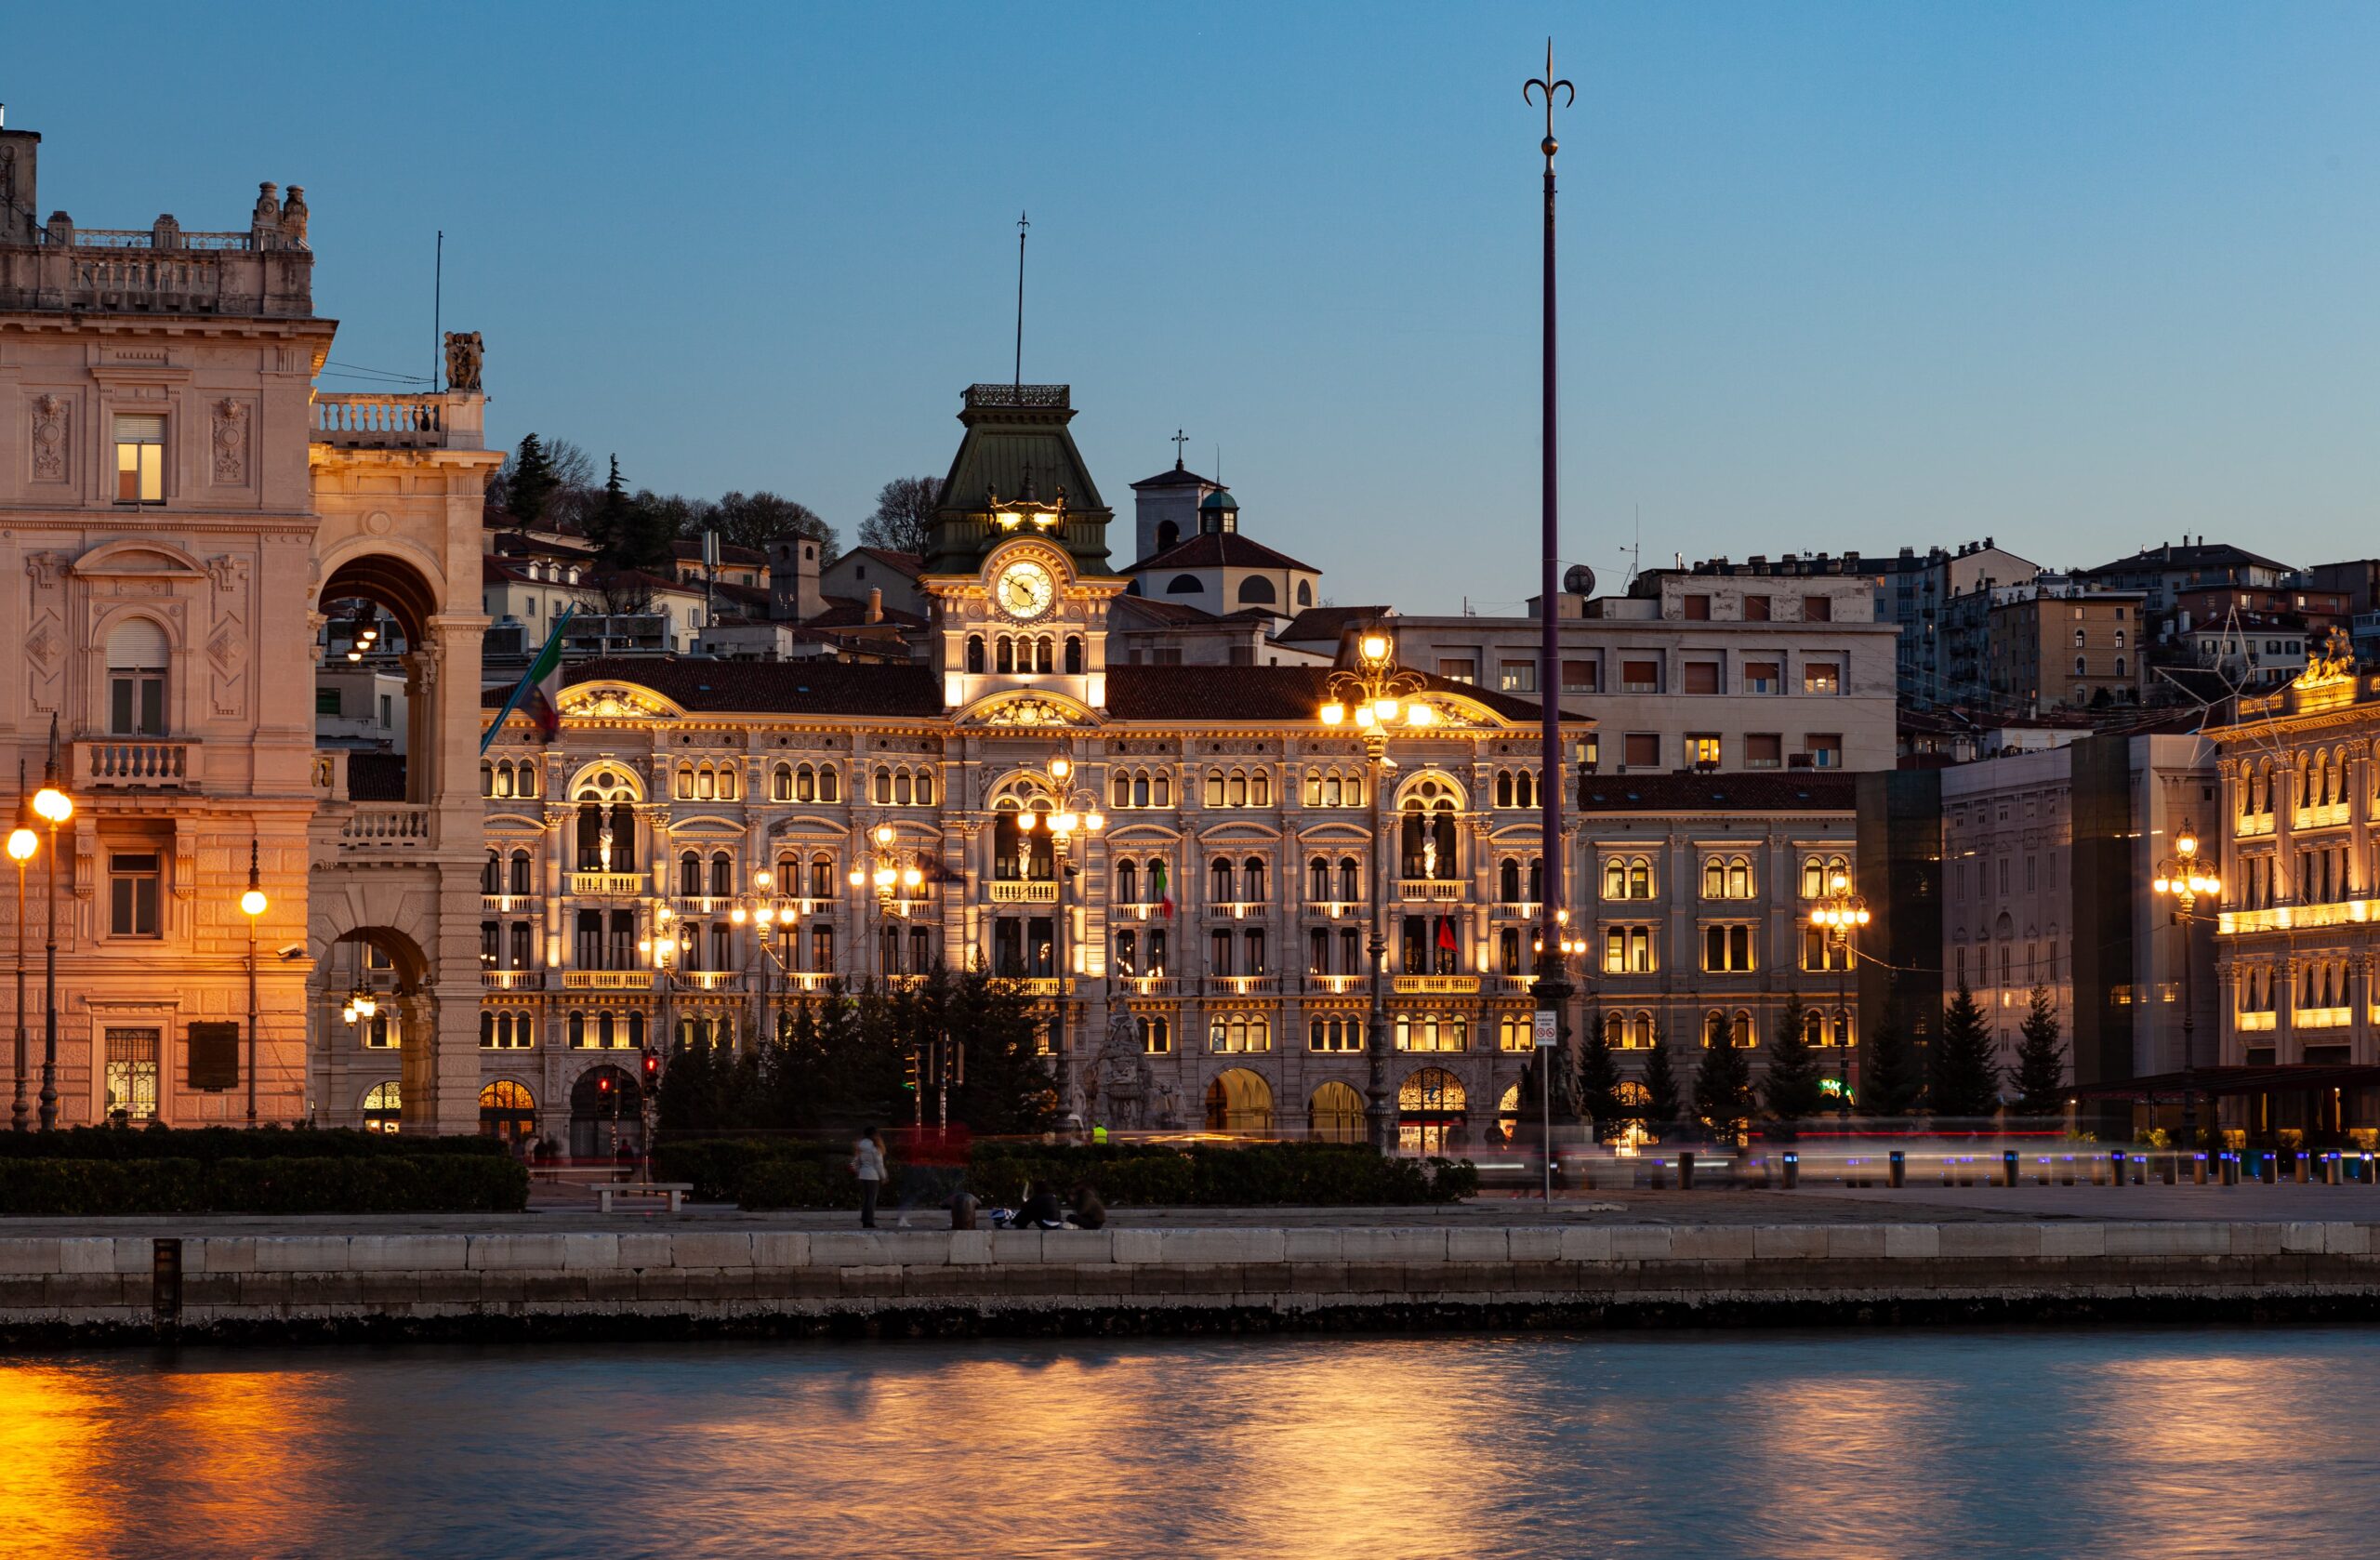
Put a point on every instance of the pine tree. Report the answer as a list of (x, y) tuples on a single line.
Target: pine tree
[(1961, 1080), (530, 486), (1663, 1099), (2041, 1059), (1889, 1080), (648, 539), (1007, 1086), (1723, 1097), (607, 523), (1596, 1081), (1794, 1084)]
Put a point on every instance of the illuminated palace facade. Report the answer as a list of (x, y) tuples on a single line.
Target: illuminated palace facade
[(1212, 906)]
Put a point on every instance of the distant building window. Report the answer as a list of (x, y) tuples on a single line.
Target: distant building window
[(1817, 609), (1255, 590), (1184, 584), (1702, 677), (1764, 677), (1578, 676), (1459, 670), (140, 459), (1755, 609), (1764, 751), (1698, 608), (1824, 750), (1702, 751), (137, 658), (1517, 677), (1644, 750), (1821, 677), (1640, 677)]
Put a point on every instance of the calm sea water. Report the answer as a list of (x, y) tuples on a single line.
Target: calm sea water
[(2134, 1443)]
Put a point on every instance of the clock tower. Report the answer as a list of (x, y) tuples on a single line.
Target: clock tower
[(1017, 570)]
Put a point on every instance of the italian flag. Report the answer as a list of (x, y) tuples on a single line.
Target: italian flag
[(541, 671), (1164, 894)]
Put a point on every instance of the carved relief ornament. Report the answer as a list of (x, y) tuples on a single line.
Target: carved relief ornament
[(49, 437)]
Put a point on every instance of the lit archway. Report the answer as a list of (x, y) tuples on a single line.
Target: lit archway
[(1335, 1114), (1241, 1102), (508, 1110), (1429, 1112)]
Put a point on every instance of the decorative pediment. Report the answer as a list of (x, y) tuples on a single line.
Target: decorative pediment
[(152, 560), (614, 701), (1451, 712), (1027, 711)]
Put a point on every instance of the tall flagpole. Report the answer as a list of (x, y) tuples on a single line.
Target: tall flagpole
[(1553, 983)]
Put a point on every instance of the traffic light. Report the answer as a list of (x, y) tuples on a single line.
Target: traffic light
[(909, 1071), (603, 1085), (652, 1064)]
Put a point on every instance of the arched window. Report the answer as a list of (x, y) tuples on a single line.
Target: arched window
[(521, 870), (1256, 591), (723, 876), (2079, 666), (1183, 585), (1119, 791), (1318, 881), (690, 875), (727, 783), (1349, 882), (1161, 788), (780, 782), (1236, 790), (1214, 789), (138, 656), (1536, 880), (1503, 787), (1305, 592), (1006, 661), (1508, 882), (504, 778), (684, 789), (1141, 792), (901, 792), (2119, 666), (925, 788), (1074, 655), (1251, 879), (1128, 881), (1615, 877), (491, 876), (1739, 1032), (830, 783), (975, 652), (1218, 882), (1524, 790), (1259, 788), (1044, 660)]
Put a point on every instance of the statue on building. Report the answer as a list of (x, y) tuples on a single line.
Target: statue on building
[(604, 850), (463, 354), (1429, 857), (293, 215), (1122, 1076)]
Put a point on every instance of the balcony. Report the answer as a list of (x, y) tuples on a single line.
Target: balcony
[(134, 763), (1243, 985), (1436, 986), (2328, 815), (1024, 891), (385, 829), (702, 904), (2251, 824), (1431, 890), (1147, 985), (512, 903), (2252, 1023), (1240, 909), (374, 421), (712, 980), (512, 979), (2297, 917), (1334, 909), (607, 885), (1509, 985), (162, 269), (1337, 986), (2320, 1018), (1514, 909), (607, 980), (1042, 986)]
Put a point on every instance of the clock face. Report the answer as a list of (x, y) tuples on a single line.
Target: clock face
[(1025, 590)]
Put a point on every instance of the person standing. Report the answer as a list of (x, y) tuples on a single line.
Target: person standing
[(867, 1163)]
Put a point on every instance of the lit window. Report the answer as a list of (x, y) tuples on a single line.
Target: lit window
[(132, 894), (140, 459)]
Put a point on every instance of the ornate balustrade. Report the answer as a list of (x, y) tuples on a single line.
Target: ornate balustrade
[(1431, 890), (136, 763), (373, 828), (1022, 891), (373, 420)]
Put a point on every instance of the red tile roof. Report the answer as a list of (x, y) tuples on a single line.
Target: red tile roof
[(907, 563), (1326, 624), (1221, 550)]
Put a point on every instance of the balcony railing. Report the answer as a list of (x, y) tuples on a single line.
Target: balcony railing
[(712, 980), (2326, 816), (512, 903), (1335, 909), (1235, 909), (1436, 985), (1147, 985), (1433, 890), (607, 980), (1243, 985), (137, 763), (1024, 891), (371, 420), (374, 828), (1337, 986), (1514, 909), (513, 980), (608, 884)]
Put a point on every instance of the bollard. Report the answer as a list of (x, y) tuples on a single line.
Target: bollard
[(2171, 1169), (2115, 1167), (1685, 1170), (1897, 1168), (2197, 1168), (2231, 1163), (2008, 1168), (2301, 1168), (1792, 1170), (166, 1280), (2368, 1167), (2268, 1168), (2331, 1176)]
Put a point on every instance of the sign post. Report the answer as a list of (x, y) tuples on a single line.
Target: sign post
[(1546, 1029)]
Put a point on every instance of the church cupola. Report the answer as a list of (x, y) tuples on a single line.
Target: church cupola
[(1218, 513)]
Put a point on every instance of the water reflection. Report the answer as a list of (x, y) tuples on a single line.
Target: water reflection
[(1844, 1445)]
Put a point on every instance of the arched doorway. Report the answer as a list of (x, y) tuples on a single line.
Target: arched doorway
[(606, 1114), (1335, 1114), (383, 1106), (1240, 1101), (508, 1111), (1429, 1112)]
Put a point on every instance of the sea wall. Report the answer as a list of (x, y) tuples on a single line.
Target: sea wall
[(679, 1282)]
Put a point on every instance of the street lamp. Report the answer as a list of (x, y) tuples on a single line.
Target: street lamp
[(769, 916), (1075, 813), (1839, 915), (252, 905), (22, 843), (55, 807), (1373, 696), (662, 948), (2182, 878)]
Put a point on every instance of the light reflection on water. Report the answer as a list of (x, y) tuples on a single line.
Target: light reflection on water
[(2141, 1443)]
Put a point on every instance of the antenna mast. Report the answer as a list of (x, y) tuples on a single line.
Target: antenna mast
[(437, 313), (1021, 225)]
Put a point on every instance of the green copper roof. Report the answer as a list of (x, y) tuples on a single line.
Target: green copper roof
[(1016, 448), (1220, 498)]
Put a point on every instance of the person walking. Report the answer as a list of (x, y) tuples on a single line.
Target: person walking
[(867, 1163)]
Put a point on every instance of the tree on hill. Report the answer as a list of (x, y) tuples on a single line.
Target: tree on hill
[(904, 517), (606, 524), (755, 519), (1961, 1080), (1723, 1097), (529, 484), (1793, 1088), (2041, 1059), (1664, 1101), (1889, 1084)]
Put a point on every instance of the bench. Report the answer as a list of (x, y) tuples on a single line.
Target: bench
[(674, 1190)]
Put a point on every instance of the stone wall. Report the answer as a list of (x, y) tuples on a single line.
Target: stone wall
[(673, 1282)]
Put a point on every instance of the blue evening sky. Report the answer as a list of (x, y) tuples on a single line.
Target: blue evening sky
[(2081, 276)]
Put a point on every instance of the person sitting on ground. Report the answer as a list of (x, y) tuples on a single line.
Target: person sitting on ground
[(1039, 1210), (1089, 1212)]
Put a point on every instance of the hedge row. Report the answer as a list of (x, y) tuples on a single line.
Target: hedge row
[(759, 1174), (209, 1144), (417, 1184)]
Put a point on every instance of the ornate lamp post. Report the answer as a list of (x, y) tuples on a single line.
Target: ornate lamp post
[(1076, 812), (22, 843), (1376, 694), (252, 905), (55, 807), (882, 872), (1839, 915), (2183, 880), (662, 949), (769, 916)]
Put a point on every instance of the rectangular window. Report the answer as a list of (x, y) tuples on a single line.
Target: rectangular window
[(1698, 608), (1764, 677), (326, 701), (132, 896), (1817, 609), (140, 459), (1702, 677), (1727, 949), (1628, 950), (1459, 669), (1764, 751), (1640, 677), (1644, 749), (388, 707), (1825, 749), (137, 702), (1755, 609), (1821, 951), (132, 1073), (1821, 677), (1702, 751), (1517, 677), (1578, 676)]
